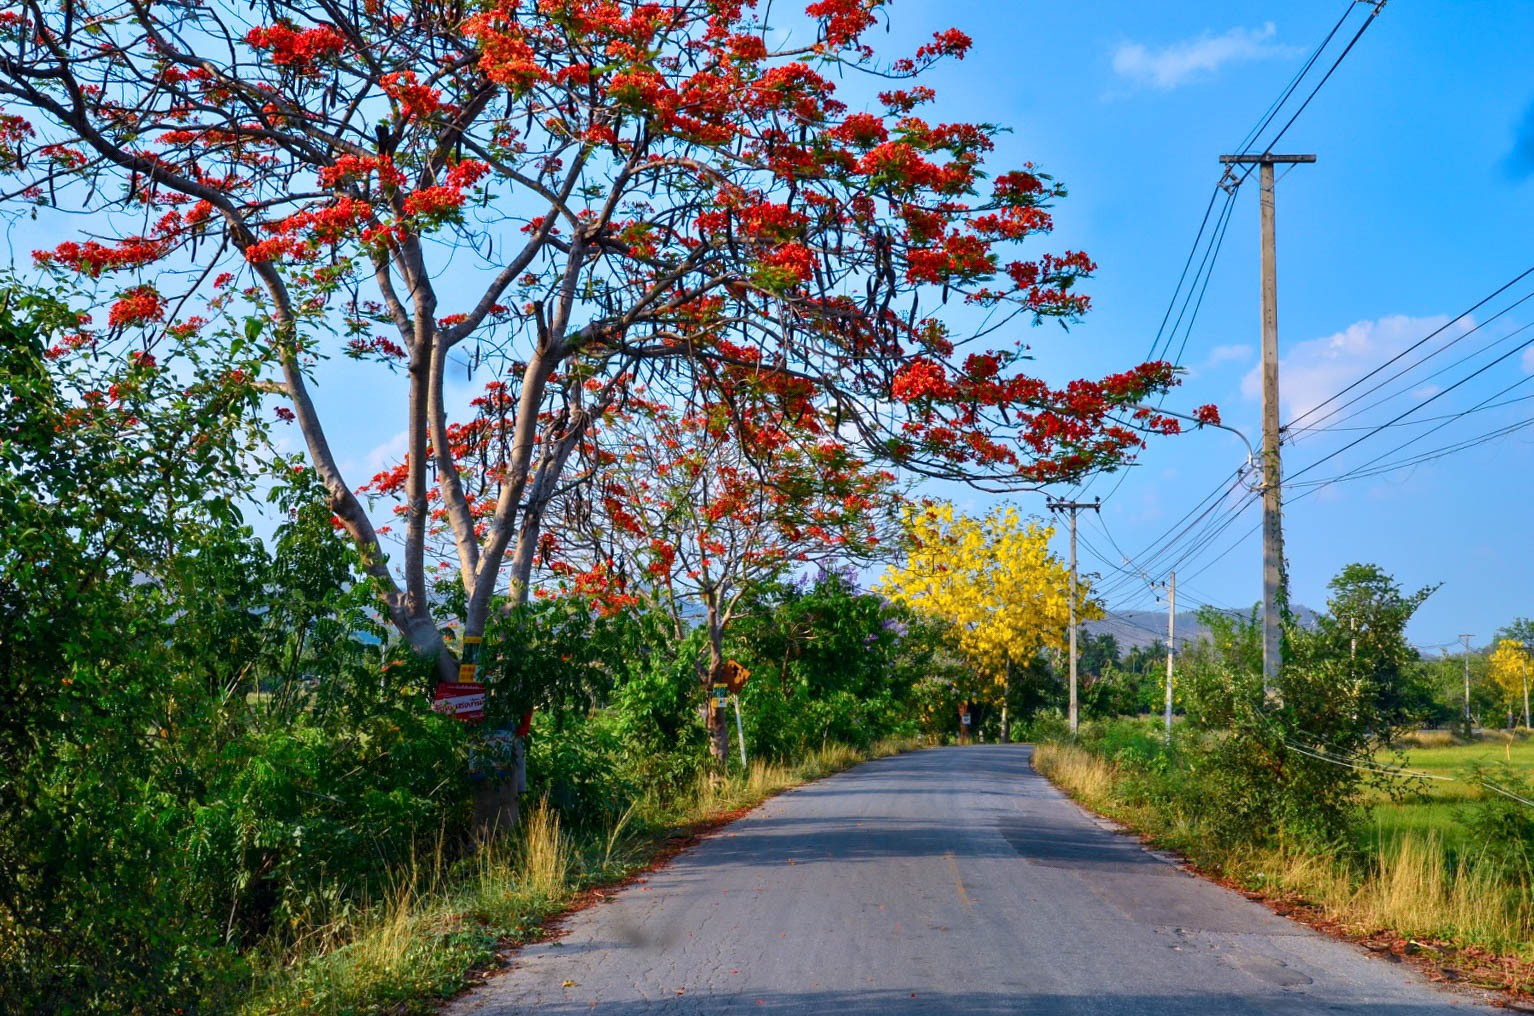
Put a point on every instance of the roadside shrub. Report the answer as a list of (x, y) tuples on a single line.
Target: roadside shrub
[(1046, 725), (655, 718), (1502, 825), (576, 767)]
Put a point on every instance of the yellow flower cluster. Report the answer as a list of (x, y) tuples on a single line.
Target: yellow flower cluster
[(993, 579), (1511, 670)]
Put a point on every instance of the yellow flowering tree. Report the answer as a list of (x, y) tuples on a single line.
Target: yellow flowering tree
[(994, 581), (1510, 671)]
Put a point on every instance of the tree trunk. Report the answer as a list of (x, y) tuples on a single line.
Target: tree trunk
[(497, 797), (718, 725), (1006, 693)]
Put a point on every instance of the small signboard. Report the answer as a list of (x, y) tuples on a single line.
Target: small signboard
[(468, 660), (734, 676), (721, 695), (462, 700)]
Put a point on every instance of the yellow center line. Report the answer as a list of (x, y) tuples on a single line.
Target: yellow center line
[(958, 882)]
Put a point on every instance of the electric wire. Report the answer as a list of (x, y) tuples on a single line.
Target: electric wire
[(1164, 338), (1449, 416), (1426, 338), (1221, 490), (1325, 756), (1391, 397), (1327, 76), (1211, 257), (1211, 536), (1425, 402), (1294, 82), (1226, 552), (1363, 472), (1412, 773)]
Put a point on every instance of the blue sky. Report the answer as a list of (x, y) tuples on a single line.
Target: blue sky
[(1421, 204)]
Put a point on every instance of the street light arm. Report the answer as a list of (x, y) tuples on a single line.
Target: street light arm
[(1250, 451)]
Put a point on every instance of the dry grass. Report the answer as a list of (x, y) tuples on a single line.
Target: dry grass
[(438, 923), (1412, 886), (1078, 772), (1427, 739)]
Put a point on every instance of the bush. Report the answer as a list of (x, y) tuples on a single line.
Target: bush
[(1499, 823)]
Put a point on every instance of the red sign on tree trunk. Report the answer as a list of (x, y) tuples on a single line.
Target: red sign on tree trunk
[(461, 700)]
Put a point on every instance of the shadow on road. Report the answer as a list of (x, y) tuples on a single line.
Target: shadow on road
[(981, 1003)]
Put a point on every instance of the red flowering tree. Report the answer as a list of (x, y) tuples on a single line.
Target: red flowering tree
[(694, 508), (573, 195)]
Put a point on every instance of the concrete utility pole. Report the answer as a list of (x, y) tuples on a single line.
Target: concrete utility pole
[(1072, 507), (1466, 639), (1171, 646), (1274, 594)]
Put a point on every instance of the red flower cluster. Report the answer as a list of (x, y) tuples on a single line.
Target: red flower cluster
[(416, 100), (295, 49), (506, 57), (794, 257), (842, 21), (921, 379), (359, 169), (139, 305), (92, 258)]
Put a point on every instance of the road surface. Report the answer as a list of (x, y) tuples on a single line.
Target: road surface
[(952, 880)]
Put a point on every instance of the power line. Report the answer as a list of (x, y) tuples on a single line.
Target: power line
[(1172, 534), (1163, 338), (1226, 552), (1212, 256), (1294, 82), (1428, 401), (1211, 536), (1451, 416), (1426, 338), (1364, 472), (1208, 520), (1437, 373), (1329, 72)]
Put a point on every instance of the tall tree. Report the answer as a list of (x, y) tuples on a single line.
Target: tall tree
[(1509, 665), (575, 196), (700, 506), (996, 582)]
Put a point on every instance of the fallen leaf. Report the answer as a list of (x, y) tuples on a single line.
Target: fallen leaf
[(568, 983)]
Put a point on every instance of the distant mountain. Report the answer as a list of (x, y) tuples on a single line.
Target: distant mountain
[(1131, 628)]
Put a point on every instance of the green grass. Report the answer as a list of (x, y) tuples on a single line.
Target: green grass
[(1439, 808)]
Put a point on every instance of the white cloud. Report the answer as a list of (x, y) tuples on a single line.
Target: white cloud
[(1315, 370), (1528, 360), (1167, 67)]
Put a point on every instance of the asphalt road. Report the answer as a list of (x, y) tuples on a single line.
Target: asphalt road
[(946, 881)]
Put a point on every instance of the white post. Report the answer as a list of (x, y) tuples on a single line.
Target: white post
[(741, 730)]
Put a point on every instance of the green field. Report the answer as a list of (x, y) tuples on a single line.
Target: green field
[(1441, 805)]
